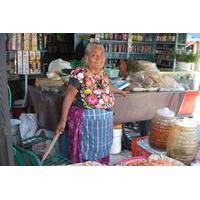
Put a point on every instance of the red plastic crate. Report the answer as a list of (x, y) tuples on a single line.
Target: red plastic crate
[(188, 104), (138, 150), (141, 147)]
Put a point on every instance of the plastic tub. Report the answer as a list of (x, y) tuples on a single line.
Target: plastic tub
[(117, 142)]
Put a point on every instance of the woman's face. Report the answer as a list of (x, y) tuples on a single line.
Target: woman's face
[(96, 58)]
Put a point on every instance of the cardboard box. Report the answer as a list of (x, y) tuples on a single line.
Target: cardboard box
[(19, 62), (32, 62), (33, 42), (25, 62), (13, 41), (9, 41), (12, 62), (18, 41), (26, 41), (38, 61)]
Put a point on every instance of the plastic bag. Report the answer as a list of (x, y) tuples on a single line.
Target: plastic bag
[(28, 125), (57, 65), (141, 79), (130, 131)]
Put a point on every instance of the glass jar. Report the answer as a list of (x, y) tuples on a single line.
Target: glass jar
[(183, 141), (161, 124)]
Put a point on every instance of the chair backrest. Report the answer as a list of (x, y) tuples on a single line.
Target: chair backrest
[(25, 157)]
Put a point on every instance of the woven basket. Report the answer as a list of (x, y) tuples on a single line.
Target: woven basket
[(182, 143), (159, 131)]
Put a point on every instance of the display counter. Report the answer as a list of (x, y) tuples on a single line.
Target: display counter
[(136, 106)]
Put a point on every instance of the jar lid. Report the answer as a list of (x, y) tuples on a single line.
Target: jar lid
[(186, 122), (165, 112)]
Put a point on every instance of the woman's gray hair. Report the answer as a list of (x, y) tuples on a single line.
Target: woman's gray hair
[(88, 49)]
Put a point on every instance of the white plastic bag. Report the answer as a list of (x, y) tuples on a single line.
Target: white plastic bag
[(58, 64), (28, 125)]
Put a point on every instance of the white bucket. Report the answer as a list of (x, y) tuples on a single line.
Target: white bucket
[(15, 132), (117, 141)]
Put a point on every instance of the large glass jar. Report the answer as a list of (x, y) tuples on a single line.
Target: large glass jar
[(161, 124), (183, 141)]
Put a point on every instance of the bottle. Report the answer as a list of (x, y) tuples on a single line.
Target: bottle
[(119, 48), (173, 38), (141, 37), (40, 41), (110, 48), (102, 36), (106, 48), (8, 41), (105, 36), (157, 37), (120, 36), (125, 37), (45, 40), (97, 37), (111, 36)]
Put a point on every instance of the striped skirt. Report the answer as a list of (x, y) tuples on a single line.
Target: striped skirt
[(90, 134)]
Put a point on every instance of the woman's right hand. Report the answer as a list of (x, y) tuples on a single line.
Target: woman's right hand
[(61, 127)]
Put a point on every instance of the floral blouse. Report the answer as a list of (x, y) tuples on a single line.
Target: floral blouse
[(93, 90)]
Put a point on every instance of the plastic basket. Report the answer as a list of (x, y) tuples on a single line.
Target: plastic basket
[(27, 151)]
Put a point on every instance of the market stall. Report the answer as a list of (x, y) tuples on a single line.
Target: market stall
[(134, 107), (150, 89)]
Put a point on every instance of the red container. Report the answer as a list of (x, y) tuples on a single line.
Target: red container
[(189, 99), (138, 150), (140, 147)]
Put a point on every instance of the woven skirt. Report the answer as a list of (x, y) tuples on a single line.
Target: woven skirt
[(90, 134)]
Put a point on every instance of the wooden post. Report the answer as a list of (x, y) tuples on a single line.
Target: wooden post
[(6, 155)]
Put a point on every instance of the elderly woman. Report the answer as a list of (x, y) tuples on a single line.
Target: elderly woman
[(87, 109)]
